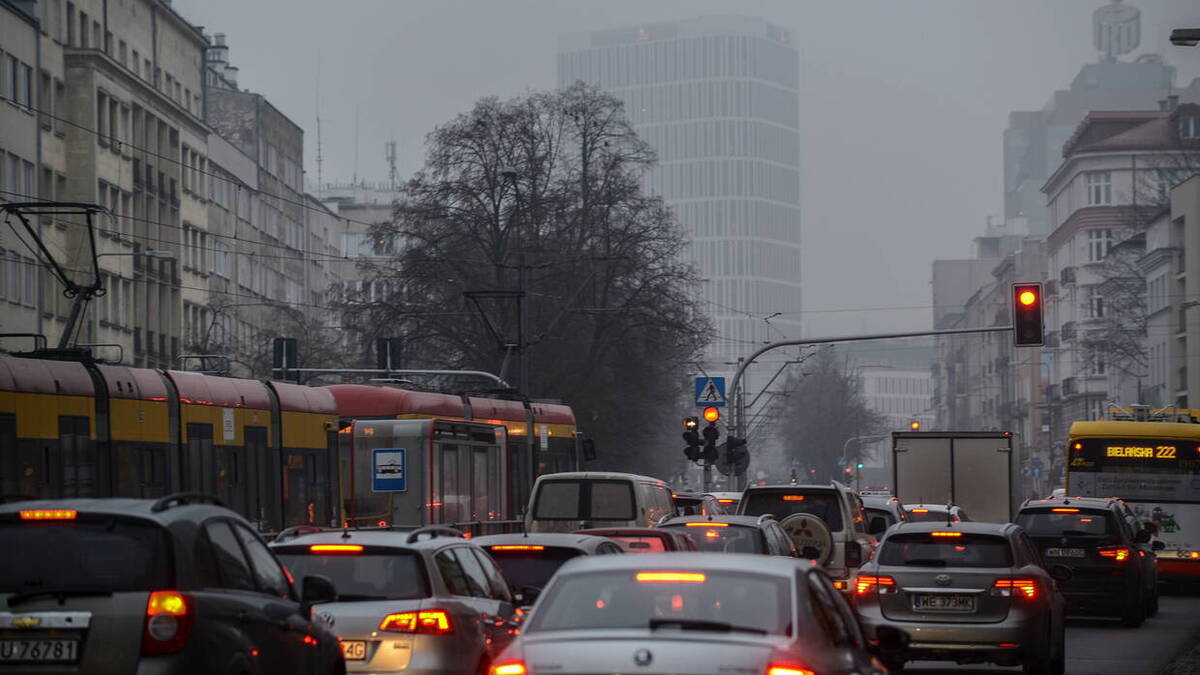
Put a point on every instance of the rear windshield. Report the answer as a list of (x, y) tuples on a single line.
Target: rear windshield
[(873, 513), (371, 575), (1049, 523), (584, 500), (924, 515), (110, 555), (640, 544), (963, 550), (782, 503), (531, 568), (667, 601), (688, 506), (727, 539)]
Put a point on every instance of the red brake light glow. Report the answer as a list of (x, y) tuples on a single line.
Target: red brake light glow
[(1118, 553), (517, 547), (343, 549), (510, 668), (1065, 510), (1026, 588), (793, 498), (864, 583), (946, 534), (672, 577), (425, 621), (788, 670), (702, 524), (168, 623), (724, 501), (920, 510), (55, 514)]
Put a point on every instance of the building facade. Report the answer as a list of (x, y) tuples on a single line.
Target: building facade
[(717, 98)]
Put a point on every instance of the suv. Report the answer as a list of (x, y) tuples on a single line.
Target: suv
[(176, 585), (734, 534), (883, 511), (1111, 571), (838, 539), (425, 600)]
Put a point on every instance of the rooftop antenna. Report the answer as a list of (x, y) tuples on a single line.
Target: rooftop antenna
[(390, 152), (355, 146), (320, 159)]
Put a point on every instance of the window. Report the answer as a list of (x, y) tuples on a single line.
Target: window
[(477, 579), (1189, 127), (452, 574), (1099, 188), (71, 24), (25, 86), (232, 566), (121, 54), (1095, 308), (1099, 244), (8, 79), (267, 573), (136, 63)]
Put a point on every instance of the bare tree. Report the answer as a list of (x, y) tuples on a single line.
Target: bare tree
[(538, 200)]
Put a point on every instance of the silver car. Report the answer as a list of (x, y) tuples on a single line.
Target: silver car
[(425, 601), (695, 613), (967, 592)]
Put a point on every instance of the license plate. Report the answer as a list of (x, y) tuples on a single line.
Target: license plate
[(354, 650), (40, 651), (943, 603), (1066, 553)]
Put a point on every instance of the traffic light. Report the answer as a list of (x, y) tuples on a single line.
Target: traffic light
[(914, 425), (692, 437), (859, 465), (712, 414), (711, 434), (1027, 315), (736, 455)]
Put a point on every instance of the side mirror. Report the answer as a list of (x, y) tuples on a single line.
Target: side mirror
[(1158, 546), (1142, 537), (878, 525), (315, 590), (1060, 573), (891, 640)]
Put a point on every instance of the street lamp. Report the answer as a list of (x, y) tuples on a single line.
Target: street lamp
[(169, 255)]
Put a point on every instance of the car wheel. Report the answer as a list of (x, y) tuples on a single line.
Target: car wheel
[(1134, 615)]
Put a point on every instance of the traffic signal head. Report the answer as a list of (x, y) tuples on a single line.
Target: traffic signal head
[(711, 434), (690, 423), (712, 414), (1027, 315), (859, 465), (914, 425)]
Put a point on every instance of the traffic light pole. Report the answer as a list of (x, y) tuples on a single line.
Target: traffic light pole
[(738, 423)]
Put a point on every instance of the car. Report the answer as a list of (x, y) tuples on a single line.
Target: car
[(838, 540), (424, 600), (727, 500), (698, 613), (935, 513), (527, 561), (176, 585), (645, 539), (565, 502), (883, 511), (734, 534), (1106, 550), (691, 504), (966, 592)]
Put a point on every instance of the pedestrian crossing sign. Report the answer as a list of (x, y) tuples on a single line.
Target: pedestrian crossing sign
[(710, 391)]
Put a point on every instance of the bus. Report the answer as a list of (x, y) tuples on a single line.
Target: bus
[(1151, 460)]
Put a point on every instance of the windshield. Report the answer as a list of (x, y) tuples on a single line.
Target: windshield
[(672, 600), (640, 543), (532, 568), (1079, 523), (928, 515), (584, 500), (723, 538), (935, 549), (887, 516), (372, 575), (114, 555), (823, 504)]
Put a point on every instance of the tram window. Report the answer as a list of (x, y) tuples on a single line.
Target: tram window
[(482, 502), (300, 491), (450, 497), (78, 457), (200, 471), (10, 469)]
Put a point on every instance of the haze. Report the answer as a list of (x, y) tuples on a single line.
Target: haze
[(902, 105)]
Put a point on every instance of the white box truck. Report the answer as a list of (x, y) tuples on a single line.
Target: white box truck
[(971, 469)]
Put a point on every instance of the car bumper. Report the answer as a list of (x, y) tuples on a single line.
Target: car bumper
[(415, 655), (1004, 642), (1104, 597)]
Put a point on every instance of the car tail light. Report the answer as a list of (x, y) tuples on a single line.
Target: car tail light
[(425, 621), (1117, 553), (706, 524), (517, 547), (793, 498), (946, 534), (854, 554), (168, 623), (336, 549), (1019, 587), (788, 669), (51, 514), (672, 577), (920, 510), (509, 668), (1064, 510), (865, 582)]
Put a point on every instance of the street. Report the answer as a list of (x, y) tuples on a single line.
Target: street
[(1103, 647)]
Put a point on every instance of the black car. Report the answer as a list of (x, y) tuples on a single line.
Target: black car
[(734, 534), (1112, 572), (173, 586)]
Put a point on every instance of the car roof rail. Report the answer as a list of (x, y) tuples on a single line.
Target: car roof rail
[(184, 499), (433, 531), (294, 532), (665, 518), (765, 516)]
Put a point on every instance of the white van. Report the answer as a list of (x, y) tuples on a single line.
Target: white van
[(565, 502)]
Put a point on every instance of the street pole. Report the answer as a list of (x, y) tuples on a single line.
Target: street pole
[(740, 413), (522, 327)]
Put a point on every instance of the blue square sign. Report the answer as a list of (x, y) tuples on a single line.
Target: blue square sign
[(389, 470), (710, 391)]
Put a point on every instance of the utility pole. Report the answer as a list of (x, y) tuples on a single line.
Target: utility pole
[(522, 326), (739, 403)]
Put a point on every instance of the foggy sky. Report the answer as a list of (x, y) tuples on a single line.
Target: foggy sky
[(902, 104)]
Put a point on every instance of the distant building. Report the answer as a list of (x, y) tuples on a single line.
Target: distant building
[(718, 99)]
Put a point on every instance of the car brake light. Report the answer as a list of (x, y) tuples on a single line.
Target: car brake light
[(509, 668), (864, 583), (168, 623), (946, 534), (920, 510), (724, 501), (1118, 553), (706, 524), (53, 514), (336, 549), (1064, 510), (775, 669), (672, 577), (1007, 588), (793, 498), (517, 547), (425, 621)]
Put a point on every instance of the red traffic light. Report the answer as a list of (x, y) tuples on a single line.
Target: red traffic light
[(712, 414), (1027, 315)]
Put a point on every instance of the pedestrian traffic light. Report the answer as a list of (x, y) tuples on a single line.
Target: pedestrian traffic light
[(692, 437), (859, 465), (712, 414), (1028, 326), (914, 425)]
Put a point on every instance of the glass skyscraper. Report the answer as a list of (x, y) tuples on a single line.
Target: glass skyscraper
[(717, 98)]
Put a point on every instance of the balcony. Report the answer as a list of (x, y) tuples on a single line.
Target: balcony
[(1066, 276), (1070, 386)]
